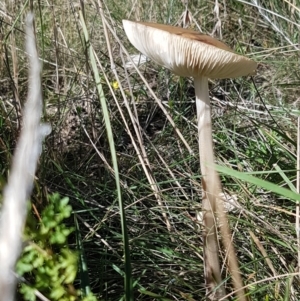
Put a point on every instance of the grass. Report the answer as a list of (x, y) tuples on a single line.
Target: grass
[(255, 130)]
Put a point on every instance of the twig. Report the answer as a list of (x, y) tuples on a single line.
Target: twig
[(298, 190), (20, 180)]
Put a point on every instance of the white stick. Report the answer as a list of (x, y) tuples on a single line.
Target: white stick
[(20, 180), (298, 190)]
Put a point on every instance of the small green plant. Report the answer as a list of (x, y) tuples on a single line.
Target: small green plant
[(47, 264)]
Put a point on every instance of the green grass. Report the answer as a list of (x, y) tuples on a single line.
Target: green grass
[(255, 129)]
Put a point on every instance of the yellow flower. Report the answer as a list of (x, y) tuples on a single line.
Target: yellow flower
[(115, 85)]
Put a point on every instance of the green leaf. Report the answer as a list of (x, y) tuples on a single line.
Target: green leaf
[(64, 202), (28, 292), (57, 293), (259, 182), (23, 267), (49, 272), (156, 296)]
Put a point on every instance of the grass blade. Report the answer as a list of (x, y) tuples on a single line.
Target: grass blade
[(259, 182), (128, 278)]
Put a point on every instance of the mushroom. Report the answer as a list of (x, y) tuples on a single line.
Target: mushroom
[(189, 53)]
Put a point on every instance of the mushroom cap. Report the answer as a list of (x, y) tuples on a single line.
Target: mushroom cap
[(186, 52)]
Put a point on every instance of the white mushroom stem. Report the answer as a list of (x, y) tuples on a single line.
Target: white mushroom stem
[(211, 203), (210, 189)]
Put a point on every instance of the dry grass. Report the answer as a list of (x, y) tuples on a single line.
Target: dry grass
[(254, 128)]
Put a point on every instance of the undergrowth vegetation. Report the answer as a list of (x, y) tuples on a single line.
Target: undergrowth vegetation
[(152, 119)]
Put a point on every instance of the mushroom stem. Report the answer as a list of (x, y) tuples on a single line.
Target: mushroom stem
[(210, 189), (211, 203)]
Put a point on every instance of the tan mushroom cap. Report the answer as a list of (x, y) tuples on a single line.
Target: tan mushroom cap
[(186, 52)]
